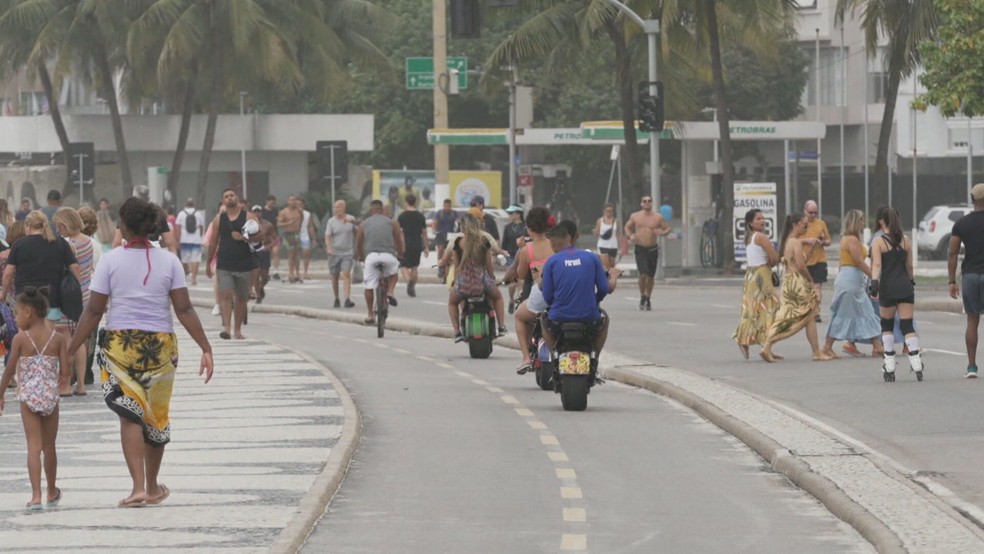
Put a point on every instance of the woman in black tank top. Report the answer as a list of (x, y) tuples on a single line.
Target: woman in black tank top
[(892, 282)]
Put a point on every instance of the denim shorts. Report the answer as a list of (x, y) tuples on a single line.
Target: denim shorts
[(973, 292)]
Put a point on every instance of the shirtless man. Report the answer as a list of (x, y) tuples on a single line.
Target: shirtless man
[(644, 229), (268, 237), (289, 223)]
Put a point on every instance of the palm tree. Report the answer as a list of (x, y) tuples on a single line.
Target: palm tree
[(905, 24)]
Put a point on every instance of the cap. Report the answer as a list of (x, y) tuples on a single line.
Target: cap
[(475, 211), (476, 200), (977, 193), (256, 208), (515, 208)]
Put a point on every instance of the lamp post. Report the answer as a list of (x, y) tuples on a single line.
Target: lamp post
[(242, 150)]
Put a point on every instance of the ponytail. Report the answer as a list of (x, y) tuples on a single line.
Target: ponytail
[(894, 224), (792, 220), (37, 220)]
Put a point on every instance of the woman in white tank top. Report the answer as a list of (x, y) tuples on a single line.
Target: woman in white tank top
[(606, 229), (759, 301)]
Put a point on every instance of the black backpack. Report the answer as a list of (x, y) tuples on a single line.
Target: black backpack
[(191, 222)]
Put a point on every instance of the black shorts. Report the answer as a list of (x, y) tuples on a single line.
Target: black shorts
[(818, 272), (893, 302), (411, 258), (610, 252), (263, 260), (647, 259), (441, 239)]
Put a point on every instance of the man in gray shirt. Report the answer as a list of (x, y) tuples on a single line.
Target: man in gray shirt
[(339, 244), (379, 240)]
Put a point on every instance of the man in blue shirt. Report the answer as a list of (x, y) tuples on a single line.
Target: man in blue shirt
[(574, 284)]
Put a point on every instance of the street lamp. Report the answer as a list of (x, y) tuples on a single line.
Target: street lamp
[(242, 150), (714, 112)]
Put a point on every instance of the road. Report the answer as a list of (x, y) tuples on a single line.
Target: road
[(463, 455)]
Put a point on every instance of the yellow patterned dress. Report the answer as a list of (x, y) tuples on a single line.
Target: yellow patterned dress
[(797, 301), (138, 376), (758, 306)]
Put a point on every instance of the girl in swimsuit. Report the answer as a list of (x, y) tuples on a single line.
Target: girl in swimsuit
[(38, 372)]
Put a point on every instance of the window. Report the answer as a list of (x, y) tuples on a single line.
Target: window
[(805, 4), (831, 77), (33, 103), (877, 78)]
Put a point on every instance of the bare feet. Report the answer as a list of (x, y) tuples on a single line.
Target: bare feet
[(240, 336), (767, 356), (833, 356), (744, 350), (822, 356), (777, 356)]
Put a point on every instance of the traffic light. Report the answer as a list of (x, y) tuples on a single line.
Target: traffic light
[(651, 113), (466, 16)]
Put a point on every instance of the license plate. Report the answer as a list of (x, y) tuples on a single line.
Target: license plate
[(574, 363)]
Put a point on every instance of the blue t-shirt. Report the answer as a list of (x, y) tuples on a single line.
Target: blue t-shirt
[(574, 283)]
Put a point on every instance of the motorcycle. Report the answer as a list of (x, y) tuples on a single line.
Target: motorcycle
[(575, 363), (478, 326), (543, 367)]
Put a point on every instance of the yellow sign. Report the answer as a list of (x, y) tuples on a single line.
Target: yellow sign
[(392, 187), (466, 185)]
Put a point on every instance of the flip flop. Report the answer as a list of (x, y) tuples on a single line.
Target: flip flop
[(369, 321), (224, 336), (165, 492), (524, 368), (130, 503), (54, 502), (33, 507)]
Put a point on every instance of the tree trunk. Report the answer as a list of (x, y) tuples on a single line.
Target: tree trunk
[(206, 159), (108, 90), (726, 232), (53, 109), (626, 86), (175, 172), (880, 192)]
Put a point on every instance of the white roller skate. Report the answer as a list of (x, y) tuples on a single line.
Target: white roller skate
[(888, 367), (916, 365)]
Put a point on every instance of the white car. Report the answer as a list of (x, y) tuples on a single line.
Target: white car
[(500, 215), (933, 238)]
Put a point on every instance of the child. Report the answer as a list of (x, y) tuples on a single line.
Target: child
[(37, 388)]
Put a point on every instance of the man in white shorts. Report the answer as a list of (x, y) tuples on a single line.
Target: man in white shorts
[(188, 229), (339, 242), (379, 240)]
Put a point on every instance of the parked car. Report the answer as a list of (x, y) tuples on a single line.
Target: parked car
[(933, 238), (500, 215)]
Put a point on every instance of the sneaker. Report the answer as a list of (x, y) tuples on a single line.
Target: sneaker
[(642, 303), (458, 337), (392, 301), (971, 372), (649, 304), (337, 304), (411, 289), (511, 307), (502, 331), (216, 310), (275, 277), (349, 303)]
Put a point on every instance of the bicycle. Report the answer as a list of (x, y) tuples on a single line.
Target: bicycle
[(382, 301)]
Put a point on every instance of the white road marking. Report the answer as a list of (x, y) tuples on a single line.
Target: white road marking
[(436, 303), (524, 412), (950, 352), (464, 374), (508, 399), (538, 425), (573, 515), (723, 306), (549, 440), (573, 542), (565, 473), (681, 323), (558, 456), (493, 389), (571, 492)]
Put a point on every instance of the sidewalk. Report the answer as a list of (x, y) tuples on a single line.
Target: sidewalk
[(247, 465), (889, 505)]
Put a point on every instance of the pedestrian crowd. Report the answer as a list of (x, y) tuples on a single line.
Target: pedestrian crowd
[(874, 291)]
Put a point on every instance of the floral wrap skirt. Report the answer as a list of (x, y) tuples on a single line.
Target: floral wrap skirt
[(758, 306), (797, 303)]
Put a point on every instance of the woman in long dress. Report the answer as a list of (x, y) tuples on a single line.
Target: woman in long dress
[(853, 318), (758, 300), (798, 300)]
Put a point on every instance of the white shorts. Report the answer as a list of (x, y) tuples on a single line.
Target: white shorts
[(535, 303), (371, 275)]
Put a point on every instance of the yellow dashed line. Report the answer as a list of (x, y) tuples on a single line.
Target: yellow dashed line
[(571, 492), (558, 456), (524, 412), (549, 440), (496, 390), (425, 358), (539, 425), (565, 473), (444, 365), (574, 542), (574, 515), (381, 345), (508, 399), (480, 382)]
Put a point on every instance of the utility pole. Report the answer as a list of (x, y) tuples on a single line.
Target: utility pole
[(513, 77), (242, 150), (442, 155)]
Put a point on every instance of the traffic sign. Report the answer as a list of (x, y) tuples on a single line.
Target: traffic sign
[(420, 72)]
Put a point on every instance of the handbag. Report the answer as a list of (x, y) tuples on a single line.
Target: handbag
[(608, 234), (70, 295)]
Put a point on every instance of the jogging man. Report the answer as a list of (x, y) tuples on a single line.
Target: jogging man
[(234, 263), (188, 229), (444, 221), (379, 240), (644, 229), (270, 213), (969, 230), (414, 226), (339, 244), (289, 222)]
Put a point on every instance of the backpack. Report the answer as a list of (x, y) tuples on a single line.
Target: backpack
[(70, 295), (191, 222)]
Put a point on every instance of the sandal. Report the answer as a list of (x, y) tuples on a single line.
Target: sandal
[(369, 321), (165, 492), (852, 350), (524, 368)]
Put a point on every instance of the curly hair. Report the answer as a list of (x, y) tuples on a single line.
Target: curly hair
[(35, 298), (538, 219), (139, 216)]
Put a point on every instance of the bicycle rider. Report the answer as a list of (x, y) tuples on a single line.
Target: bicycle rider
[(378, 240)]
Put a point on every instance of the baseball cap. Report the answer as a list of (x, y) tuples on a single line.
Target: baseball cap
[(977, 193), (514, 209), (256, 208)]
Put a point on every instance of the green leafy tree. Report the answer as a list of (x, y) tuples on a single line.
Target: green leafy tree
[(905, 24), (954, 62)]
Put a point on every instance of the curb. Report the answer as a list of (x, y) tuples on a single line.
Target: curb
[(312, 507), (779, 458)]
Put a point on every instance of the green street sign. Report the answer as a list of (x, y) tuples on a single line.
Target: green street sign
[(420, 72)]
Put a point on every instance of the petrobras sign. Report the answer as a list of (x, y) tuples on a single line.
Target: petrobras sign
[(750, 196)]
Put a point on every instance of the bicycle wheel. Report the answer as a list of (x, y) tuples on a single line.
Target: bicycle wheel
[(380, 311)]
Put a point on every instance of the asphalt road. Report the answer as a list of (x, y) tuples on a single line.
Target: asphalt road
[(463, 455)]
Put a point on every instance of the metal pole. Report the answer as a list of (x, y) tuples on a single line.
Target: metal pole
[(242, 150), (843, 109), (442, 154), (915, 179), (512, 132), (331, 158), (785, 173), (970, 160), (866, 212), (717, 140), (81, 180), (651, 34), (819, 157)]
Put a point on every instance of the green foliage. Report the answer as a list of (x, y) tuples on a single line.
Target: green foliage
[(954, 62)]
